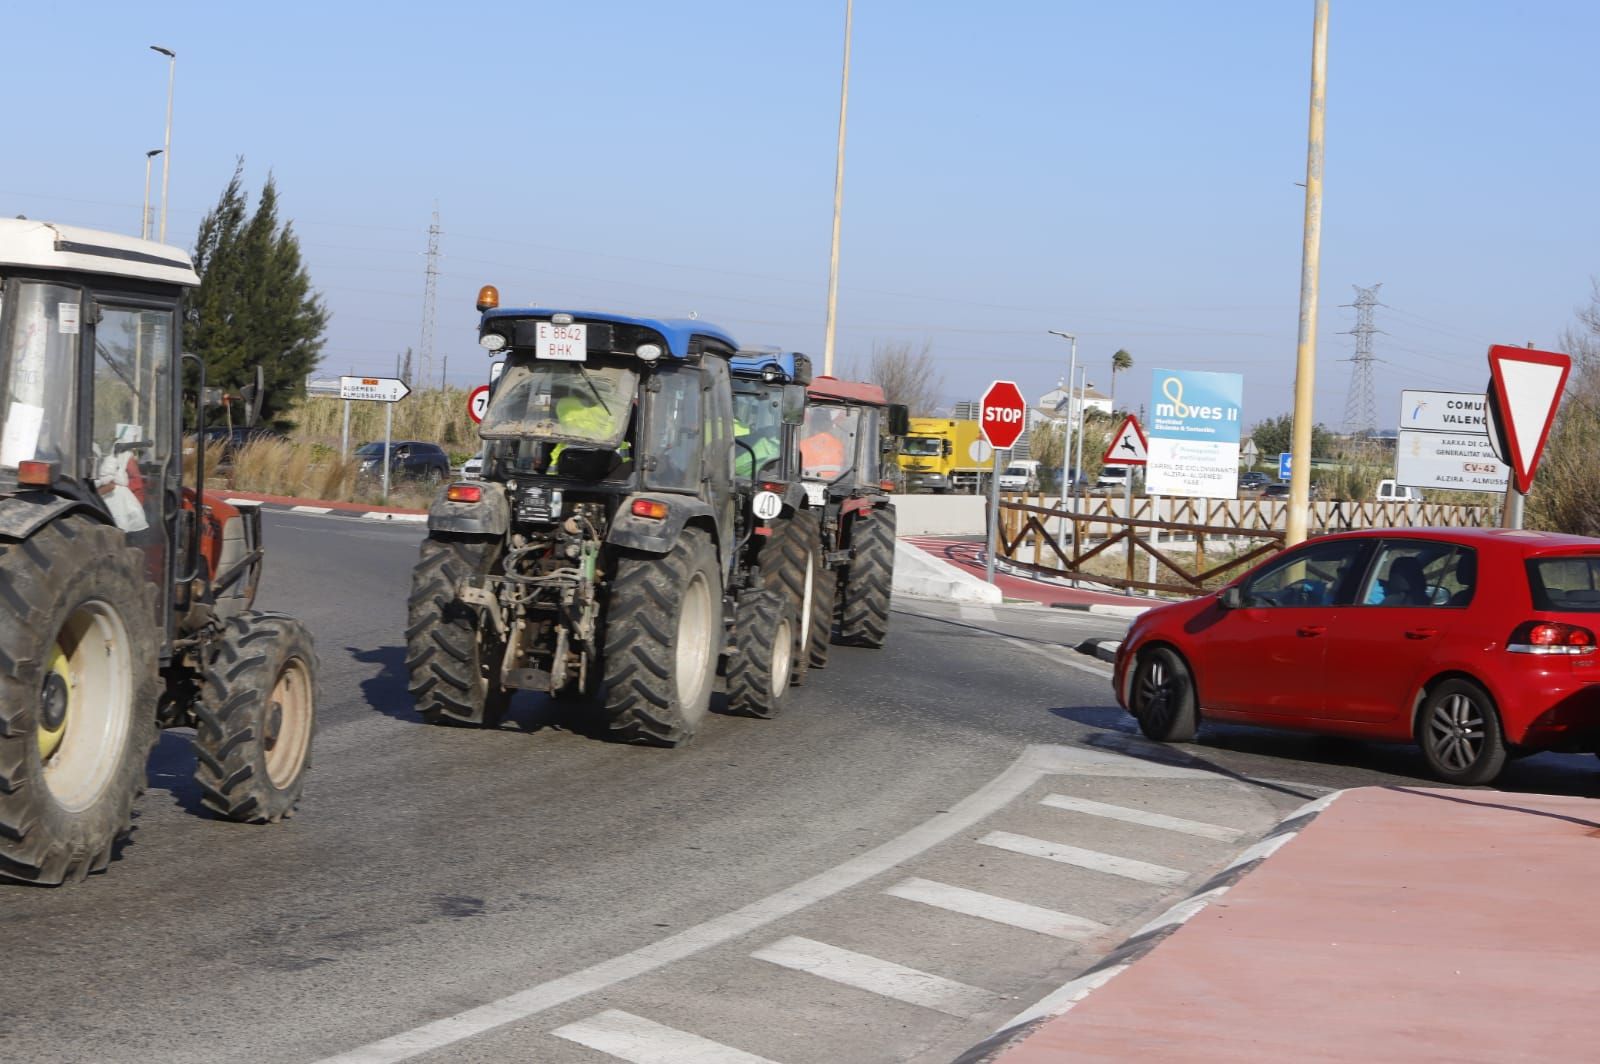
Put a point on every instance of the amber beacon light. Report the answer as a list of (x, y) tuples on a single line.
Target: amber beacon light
[(488, 297)]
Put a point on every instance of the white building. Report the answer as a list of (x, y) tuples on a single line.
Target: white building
[(1056, 405)]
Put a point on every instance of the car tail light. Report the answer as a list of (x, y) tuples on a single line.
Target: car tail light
[(1550, 637), (649, 508), (464, 493)]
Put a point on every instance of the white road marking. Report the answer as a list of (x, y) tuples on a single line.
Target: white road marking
[(998, 910), (1060, 659), (878, 976), (1036, 762), (979, 613), (1094, 860), (410, 518), (1139, 816), (630, 1037), (312, 509), (242, 502)]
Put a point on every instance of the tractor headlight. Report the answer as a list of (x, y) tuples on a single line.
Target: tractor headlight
[(648, 352), (772, 375), (492, 341)]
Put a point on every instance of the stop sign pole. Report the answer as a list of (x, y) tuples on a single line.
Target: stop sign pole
[(1001, 417)]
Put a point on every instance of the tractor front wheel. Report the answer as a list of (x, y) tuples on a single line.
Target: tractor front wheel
[(255, 718), (78, 692), (864, 600)]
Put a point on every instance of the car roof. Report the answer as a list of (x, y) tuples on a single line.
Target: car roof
[(1523, 541), (679, 333)]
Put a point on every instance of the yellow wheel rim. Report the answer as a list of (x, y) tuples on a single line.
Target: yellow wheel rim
[(50, 738)]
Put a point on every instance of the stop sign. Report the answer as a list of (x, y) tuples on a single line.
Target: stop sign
[(1004, 414)]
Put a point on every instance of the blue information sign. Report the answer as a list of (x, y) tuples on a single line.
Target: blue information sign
[(1194, 434), (1283, 464)]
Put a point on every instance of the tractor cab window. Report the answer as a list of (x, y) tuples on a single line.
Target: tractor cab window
[(38, 374), (757, 429), (869, 447), (675, 432), (828, 442), (561, 401), (132, 429)]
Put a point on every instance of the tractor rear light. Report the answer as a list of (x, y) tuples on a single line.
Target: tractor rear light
[(886, 485), (649, 508), (772, 485), (36, 474), (464, 493), (1551, 637)]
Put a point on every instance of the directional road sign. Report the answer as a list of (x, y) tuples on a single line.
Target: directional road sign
[(1285, 464), (1524, 392), (1128, 446), (478, 402), (1004, 414), (374, 389)]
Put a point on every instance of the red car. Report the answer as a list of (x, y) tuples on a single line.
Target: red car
[(1476, 644)]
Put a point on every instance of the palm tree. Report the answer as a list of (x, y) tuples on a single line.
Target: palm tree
[(1119, 362)]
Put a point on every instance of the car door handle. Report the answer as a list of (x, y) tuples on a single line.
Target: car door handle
[(1311, 631), (1422, 633)]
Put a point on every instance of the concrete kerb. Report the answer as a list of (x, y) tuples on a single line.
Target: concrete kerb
[(916, 572), (1147, 938)]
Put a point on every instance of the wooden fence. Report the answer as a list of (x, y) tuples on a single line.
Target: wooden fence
[(1077, 541)]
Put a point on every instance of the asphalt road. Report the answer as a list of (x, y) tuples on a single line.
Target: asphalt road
[(929, 840)]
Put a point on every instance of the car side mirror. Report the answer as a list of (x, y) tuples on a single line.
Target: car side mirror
[(1232, 598)]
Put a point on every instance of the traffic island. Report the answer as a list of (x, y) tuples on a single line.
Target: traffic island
[(1401, 924)]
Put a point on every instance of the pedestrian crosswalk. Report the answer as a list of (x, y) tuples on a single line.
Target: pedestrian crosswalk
[(950, 936)]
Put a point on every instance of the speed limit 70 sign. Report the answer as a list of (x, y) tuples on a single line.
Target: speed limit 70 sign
[(1003, 414), (478, 402)]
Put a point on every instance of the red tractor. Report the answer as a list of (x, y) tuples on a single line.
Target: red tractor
[(125, 595), (850, 427)]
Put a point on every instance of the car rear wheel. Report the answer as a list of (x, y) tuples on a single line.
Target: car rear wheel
[(1459, 732), (1162, 698)]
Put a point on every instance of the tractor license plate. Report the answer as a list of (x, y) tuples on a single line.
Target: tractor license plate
[(564, 343)]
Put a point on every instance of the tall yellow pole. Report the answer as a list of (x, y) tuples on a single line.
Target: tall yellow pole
[(1305, 371), (838, 200)]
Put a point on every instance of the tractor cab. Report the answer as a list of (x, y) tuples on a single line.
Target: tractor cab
[(769, 402), (850, 429)]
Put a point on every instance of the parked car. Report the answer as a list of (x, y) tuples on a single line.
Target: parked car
[(1476, 644), (1252, 481), (408, 460), (1021, 475), (1389, 491), (1114, 479), (473, 467), (1277, 489)]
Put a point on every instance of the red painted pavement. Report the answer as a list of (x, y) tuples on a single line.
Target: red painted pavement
[(1401, 925), (968, 554)]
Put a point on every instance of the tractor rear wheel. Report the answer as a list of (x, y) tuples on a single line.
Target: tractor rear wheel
[(791, 564), (78, 693), (763, 654), (864, 602), (255, 718), (663, 636), (453, 658)]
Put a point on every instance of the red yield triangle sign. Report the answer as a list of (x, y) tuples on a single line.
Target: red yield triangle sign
[(1524, 392), (1128, 446)]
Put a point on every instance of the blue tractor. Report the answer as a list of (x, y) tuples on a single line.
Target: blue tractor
[(603, 550), (785, 554)]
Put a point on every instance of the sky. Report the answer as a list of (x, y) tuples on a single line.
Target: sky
[(1126, 172)]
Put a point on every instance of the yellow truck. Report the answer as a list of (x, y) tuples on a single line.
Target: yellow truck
[(942, 454)]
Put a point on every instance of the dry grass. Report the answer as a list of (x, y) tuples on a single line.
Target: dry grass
[(437, 415), (281, 467)]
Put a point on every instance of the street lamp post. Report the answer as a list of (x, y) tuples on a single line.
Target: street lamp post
[(166, 144), (838, 201), (144, 215), (1066, 433)]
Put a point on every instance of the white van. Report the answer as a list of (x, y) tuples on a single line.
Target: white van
[(1113, 478), (1021, 475), (1389, 491)]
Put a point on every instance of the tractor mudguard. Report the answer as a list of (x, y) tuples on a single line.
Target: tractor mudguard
[(491, 516), (655, 535), (23, 514)]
